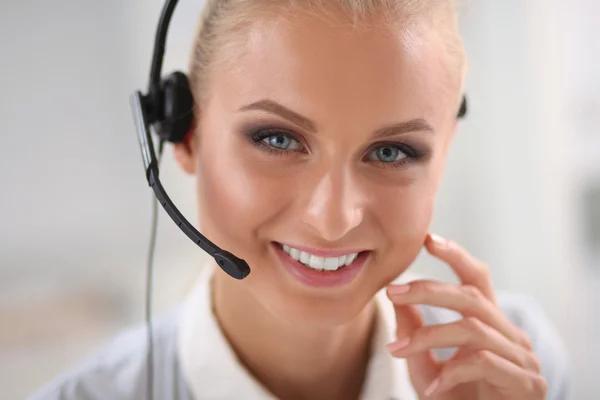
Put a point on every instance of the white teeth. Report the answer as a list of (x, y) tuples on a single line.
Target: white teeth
[(331, 263), (304, 257), (350, 258), (316, 262), (320, 263), (295, 254)]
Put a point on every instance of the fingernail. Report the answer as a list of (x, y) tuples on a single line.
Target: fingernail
[(398, 345), (438, 240), (398, 289), (434, 385)]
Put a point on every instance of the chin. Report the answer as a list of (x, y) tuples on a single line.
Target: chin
[(317, 313), (315, 297)]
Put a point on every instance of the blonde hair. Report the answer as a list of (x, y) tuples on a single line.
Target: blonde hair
[(221, 19)]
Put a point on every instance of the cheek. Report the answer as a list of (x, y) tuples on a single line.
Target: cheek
[(405, 217), (234, 201)]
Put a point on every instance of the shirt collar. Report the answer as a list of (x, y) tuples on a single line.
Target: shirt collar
[(212, 370)]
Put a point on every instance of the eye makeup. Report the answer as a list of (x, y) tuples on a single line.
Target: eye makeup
[(283, 142)]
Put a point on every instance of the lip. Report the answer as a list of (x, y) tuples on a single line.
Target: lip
[(324, 253), (321, 279)]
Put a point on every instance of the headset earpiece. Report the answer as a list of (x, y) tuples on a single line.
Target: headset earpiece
[(177, 108), (462, 112)]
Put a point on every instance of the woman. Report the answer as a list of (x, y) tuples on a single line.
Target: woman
[(330, 122)]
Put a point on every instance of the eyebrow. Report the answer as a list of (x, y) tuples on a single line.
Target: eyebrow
[(415, 125)]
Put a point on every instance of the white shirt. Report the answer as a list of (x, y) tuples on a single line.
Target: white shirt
[(213, 371), (193, 360)]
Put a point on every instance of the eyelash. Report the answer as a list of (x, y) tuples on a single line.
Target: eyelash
[(412, 155), (259, 136)]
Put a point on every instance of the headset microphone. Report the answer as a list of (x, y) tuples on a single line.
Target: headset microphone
[(168, 107)]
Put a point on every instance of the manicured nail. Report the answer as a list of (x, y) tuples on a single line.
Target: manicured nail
[(434, 385), (398, 345), (438, 240), (398, 289)]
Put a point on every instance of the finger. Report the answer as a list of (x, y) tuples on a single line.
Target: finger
[(422, 366), (470, 270), (465, 299), (470, 335), (498, 372)]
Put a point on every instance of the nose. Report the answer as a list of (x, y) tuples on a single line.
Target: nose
[(334, 207)]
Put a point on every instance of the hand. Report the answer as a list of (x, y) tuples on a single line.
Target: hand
[(494, 359)]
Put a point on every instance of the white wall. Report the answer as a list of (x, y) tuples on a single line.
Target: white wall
[(75, 205)]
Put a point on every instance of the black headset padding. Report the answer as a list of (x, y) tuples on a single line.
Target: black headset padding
[(463, 108), (177, 108)]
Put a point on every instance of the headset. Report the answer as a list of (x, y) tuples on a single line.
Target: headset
[(168, 107)]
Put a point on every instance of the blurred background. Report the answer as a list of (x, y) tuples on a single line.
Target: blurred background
[(522, 189)]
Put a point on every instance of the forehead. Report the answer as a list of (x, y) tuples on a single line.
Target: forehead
[(326, 70)]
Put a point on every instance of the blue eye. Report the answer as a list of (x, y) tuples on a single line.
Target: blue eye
[(279, 141), (395, 155), (276, 141), (388, 154)]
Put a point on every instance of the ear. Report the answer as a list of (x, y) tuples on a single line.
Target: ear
[(185, 152)]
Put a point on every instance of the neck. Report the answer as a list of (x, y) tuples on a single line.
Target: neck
[(291, 362)]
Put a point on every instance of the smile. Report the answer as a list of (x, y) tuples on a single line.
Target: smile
[(320, 263), (321, 268)]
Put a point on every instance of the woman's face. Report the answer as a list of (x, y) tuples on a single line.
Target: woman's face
[(326, 140)]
